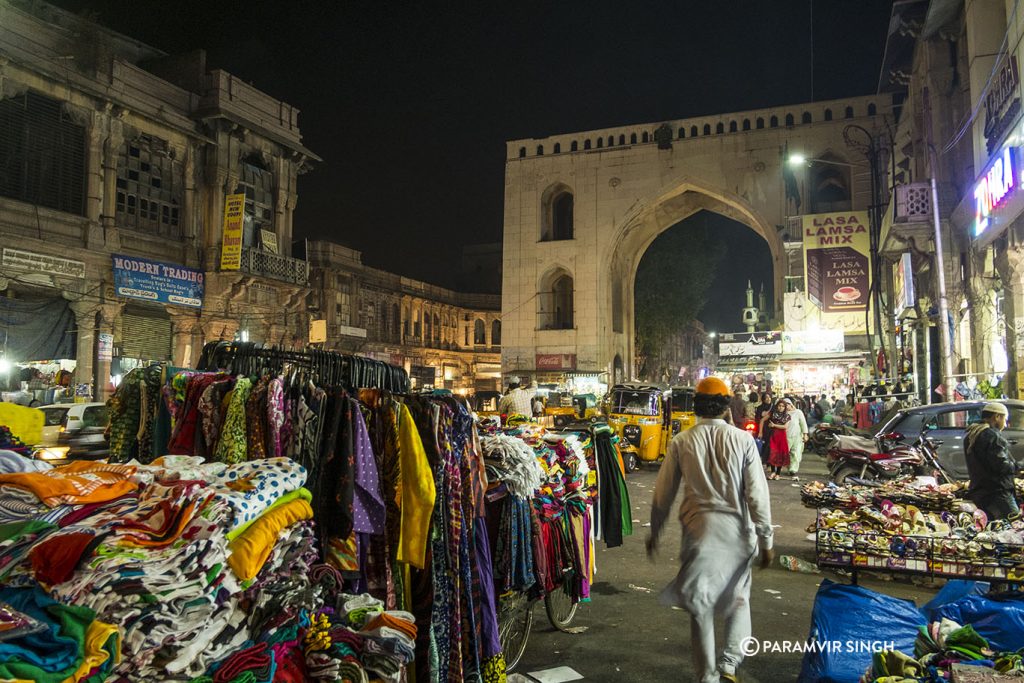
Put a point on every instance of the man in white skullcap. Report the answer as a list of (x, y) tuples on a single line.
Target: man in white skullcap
[(518, 400), (989, 464)]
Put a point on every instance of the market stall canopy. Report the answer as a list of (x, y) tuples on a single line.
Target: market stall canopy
[(36, 328)]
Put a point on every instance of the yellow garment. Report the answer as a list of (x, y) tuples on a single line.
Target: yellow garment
[(416, 494), (250, 550), (283, 500), (97, 637), (24, 423)]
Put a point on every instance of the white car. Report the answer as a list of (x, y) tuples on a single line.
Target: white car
[(61, 418)]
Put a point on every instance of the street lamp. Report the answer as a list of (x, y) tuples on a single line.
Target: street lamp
[(712, 334), (801, 160)]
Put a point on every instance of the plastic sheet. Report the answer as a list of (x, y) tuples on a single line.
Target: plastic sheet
[(845, 617), (998, 618)]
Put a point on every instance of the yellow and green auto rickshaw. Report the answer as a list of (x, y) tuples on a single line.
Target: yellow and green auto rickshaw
[(560, 408), (641, 416), (585, 406), (683, 416)]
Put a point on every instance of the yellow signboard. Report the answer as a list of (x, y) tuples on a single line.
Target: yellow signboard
[(231, 241), (317, 331), (837, 268)]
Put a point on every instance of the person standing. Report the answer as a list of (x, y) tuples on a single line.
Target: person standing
[(989, 464), (774, 425), (796, 435), (518, 400), (726, 517), (738, 406)]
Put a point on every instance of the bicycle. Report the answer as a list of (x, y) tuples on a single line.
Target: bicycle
[(515, 619)]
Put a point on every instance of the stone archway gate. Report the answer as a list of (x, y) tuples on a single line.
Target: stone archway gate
[(631, 183)]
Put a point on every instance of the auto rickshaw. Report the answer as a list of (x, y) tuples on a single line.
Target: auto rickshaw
[(487, 403), (683, 416), (560, 408), (641, 416), (585, 406)]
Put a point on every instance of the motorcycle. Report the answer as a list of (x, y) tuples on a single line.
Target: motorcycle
[(825, 436), (886, 459)]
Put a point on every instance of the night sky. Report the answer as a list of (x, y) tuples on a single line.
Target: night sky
[(410, 104)]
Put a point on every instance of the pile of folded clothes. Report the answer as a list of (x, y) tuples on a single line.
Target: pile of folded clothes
[(171, 571)]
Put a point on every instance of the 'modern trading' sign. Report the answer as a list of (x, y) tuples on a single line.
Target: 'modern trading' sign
[(156, 281), (231, 241), (837, 267)]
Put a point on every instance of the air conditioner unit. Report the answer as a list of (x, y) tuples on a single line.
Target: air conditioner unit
[(913, 203)]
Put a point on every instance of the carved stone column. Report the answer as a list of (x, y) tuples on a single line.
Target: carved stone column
[(1009, 262), (982, 304), (86, 324), (182, 337)]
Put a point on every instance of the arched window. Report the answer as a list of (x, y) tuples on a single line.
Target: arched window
[(405, 321), (555, 301), (466, 343), (428, 329), (479, 333), (849, 113), (600, 143), (830, 185), (746, 124), (557, 213), (417, 329), (574, 147), (632, 139), (496, 333), (586, 144), (558, 148), (806, 118), (645, 137), (540, 150), (437, 328), (622, 139), (396, 321), (720, 128), (682, 132), (773, 121), (872, 110), (789, 120), (759, 123), (611, 140), (828, 114), (693, 131), (707, 129), (522, 152), (732, 126)]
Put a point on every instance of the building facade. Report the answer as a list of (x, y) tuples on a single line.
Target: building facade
[(115, 164), (444, 339)]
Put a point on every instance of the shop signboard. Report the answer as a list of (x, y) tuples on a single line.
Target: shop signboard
[(317, 331), (837, 267), (1002, 102), (231, 240), (30, 261), (105, 347), (555, 361), (746, 344), (903, 284), (269, 241), (813, 341), (994, 192), (156, 281)]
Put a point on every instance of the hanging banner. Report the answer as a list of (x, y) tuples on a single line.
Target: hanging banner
[(231, 240), (745, 344), (169, 283), (105, 347), (837, 267), (813, 341)]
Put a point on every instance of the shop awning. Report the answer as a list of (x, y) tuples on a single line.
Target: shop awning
[(842, 357)]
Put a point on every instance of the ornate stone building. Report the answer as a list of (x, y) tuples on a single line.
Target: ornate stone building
[(444, 339), (115, 162)]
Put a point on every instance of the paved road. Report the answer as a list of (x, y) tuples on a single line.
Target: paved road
[(630, 637)]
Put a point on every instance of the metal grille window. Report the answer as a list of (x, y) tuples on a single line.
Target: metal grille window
[(258, 185), (150, 187), (42, 153), (343, 302)]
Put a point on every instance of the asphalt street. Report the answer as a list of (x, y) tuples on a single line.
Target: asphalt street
[(629, 636)]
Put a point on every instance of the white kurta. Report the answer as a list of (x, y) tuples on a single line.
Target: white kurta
[(725, 511)]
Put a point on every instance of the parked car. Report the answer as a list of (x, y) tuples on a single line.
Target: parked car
[(945, 424)]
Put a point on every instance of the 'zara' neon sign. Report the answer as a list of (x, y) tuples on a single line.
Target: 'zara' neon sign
[(994, 188)]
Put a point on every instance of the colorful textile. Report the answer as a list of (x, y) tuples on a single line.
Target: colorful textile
[(81, 481), (417, 493), (250, 550)]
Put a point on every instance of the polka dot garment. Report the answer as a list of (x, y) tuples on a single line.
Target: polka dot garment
[(251, 487)]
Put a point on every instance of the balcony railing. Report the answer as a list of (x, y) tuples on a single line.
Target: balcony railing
[(275, 267)]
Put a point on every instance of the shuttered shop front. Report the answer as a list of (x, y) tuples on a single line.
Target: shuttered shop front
[(145, 335)]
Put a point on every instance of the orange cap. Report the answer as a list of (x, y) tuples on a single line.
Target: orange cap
[(713, 386)]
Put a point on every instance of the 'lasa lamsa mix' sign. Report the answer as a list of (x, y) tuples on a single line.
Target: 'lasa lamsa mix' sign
[(837, 266)]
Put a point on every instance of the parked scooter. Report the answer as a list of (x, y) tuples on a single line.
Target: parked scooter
[(888, 459)]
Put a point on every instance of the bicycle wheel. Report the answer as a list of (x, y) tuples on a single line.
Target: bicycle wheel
[(514, 624), (560, 607)]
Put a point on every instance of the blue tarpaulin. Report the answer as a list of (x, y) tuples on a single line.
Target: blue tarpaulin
[(36, 328)]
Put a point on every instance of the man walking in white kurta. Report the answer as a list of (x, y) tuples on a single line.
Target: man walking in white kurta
[(726, 515)]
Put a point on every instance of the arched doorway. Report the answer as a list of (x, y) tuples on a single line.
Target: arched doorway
[(639, 230)]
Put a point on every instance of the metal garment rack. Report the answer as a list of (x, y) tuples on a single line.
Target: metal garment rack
[(328, 367)]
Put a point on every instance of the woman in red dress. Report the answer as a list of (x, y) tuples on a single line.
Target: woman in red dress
[(773, 429)]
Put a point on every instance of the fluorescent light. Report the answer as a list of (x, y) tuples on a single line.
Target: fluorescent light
[(5, 366), (797, 159)]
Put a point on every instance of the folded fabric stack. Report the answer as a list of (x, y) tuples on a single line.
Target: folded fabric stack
[(179, 554), (297, 638), (939, 646)]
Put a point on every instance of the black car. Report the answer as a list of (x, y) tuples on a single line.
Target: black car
[(945, 425)]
